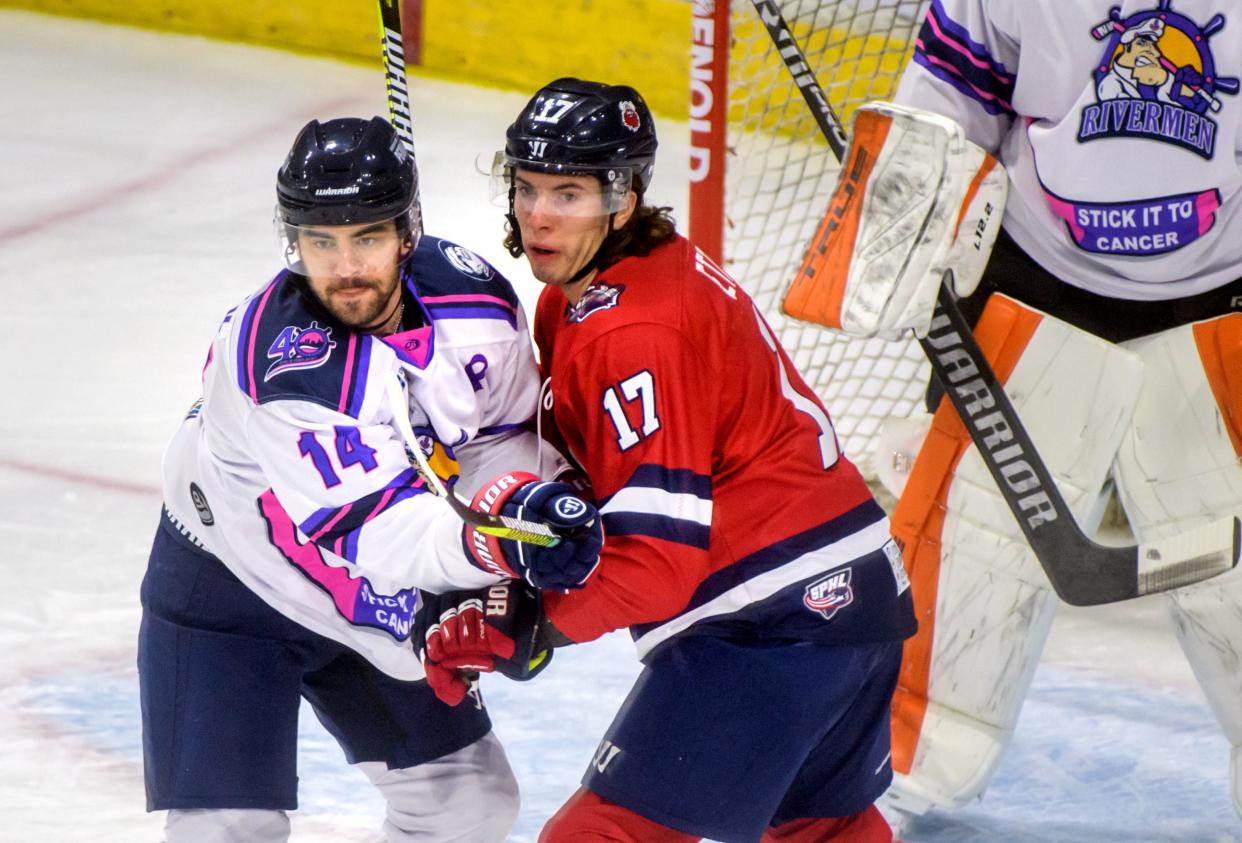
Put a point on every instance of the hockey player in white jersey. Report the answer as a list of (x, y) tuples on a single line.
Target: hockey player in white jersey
[(1108, 308), (296, 533)]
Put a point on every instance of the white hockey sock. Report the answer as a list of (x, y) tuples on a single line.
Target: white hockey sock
[(469, 796), (227, 825)]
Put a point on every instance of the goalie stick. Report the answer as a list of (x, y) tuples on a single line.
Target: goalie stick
[(1082, 572), (528, 532)]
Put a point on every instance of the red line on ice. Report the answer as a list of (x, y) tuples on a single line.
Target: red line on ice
[(286, 125), (82, 479)]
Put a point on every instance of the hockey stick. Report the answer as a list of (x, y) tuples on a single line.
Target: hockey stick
[(1082, 572), (528, 532), (393, 52)]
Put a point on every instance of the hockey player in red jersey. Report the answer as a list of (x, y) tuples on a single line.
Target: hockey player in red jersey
[(743, 551)]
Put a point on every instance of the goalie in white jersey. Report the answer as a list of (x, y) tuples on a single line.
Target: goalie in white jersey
[(1108, 308), (296, 533)]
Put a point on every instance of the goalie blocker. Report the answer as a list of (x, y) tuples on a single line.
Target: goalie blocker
[(915, 198)]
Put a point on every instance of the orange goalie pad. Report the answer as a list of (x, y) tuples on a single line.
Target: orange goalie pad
[(819, 287), (1003, 333), (1219, 342)]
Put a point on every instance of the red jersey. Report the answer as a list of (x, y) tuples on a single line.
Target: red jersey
[(727, 506)]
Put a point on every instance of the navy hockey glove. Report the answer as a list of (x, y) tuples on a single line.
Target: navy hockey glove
[(463, 633), (520, 495)]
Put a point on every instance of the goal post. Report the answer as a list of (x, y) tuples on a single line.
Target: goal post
[(761, 176)]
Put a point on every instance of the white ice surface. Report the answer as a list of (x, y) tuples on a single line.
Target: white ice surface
[(136, 188)]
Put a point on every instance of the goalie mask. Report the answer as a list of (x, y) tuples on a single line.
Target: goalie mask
[(577, 128), (347, 171)]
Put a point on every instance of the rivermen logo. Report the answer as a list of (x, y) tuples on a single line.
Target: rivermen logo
[(299, 348), (1157, 80)]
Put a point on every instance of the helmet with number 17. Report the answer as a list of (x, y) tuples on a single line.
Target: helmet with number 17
[(577, 127)]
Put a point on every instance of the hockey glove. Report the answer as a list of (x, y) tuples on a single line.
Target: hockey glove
[(915, 198), (463, 633), (520, 495)]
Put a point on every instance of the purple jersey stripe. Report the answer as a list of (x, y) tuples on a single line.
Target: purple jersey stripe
[(947, 51), (468, 299), (954, 37), (249, 334), (358, 378), (353, 597), (327, 525), (322, 531), (495, 429), (458, 311), (350, 551), (989, 102), (351, 353)]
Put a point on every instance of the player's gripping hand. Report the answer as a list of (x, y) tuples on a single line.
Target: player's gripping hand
[(521, 495), (463, 633), (1185, 90)]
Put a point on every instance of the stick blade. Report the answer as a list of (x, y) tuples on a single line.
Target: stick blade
[(1190, 557), (515, 529)]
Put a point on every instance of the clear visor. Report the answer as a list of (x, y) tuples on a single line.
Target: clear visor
[(348, 250), (565, 190)]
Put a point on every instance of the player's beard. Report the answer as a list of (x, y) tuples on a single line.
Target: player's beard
[(362, 311)]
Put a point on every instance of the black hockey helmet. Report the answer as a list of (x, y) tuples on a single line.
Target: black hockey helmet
[(346, 171), (578, 127)]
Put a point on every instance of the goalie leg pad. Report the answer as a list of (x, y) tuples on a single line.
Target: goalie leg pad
[(1178, 469), (984, 605), (915, 198)]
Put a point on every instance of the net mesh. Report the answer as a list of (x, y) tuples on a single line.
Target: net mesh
[(780, 177)]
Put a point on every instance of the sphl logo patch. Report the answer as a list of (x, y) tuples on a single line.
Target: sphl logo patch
[(829, 595)]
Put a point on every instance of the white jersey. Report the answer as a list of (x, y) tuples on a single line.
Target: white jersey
[(1120, 126), (292, 472)]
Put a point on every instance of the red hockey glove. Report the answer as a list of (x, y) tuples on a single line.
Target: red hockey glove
[(520, 495), (469, 632)]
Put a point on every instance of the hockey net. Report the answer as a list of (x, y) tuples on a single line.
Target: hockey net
[(779, 173)]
